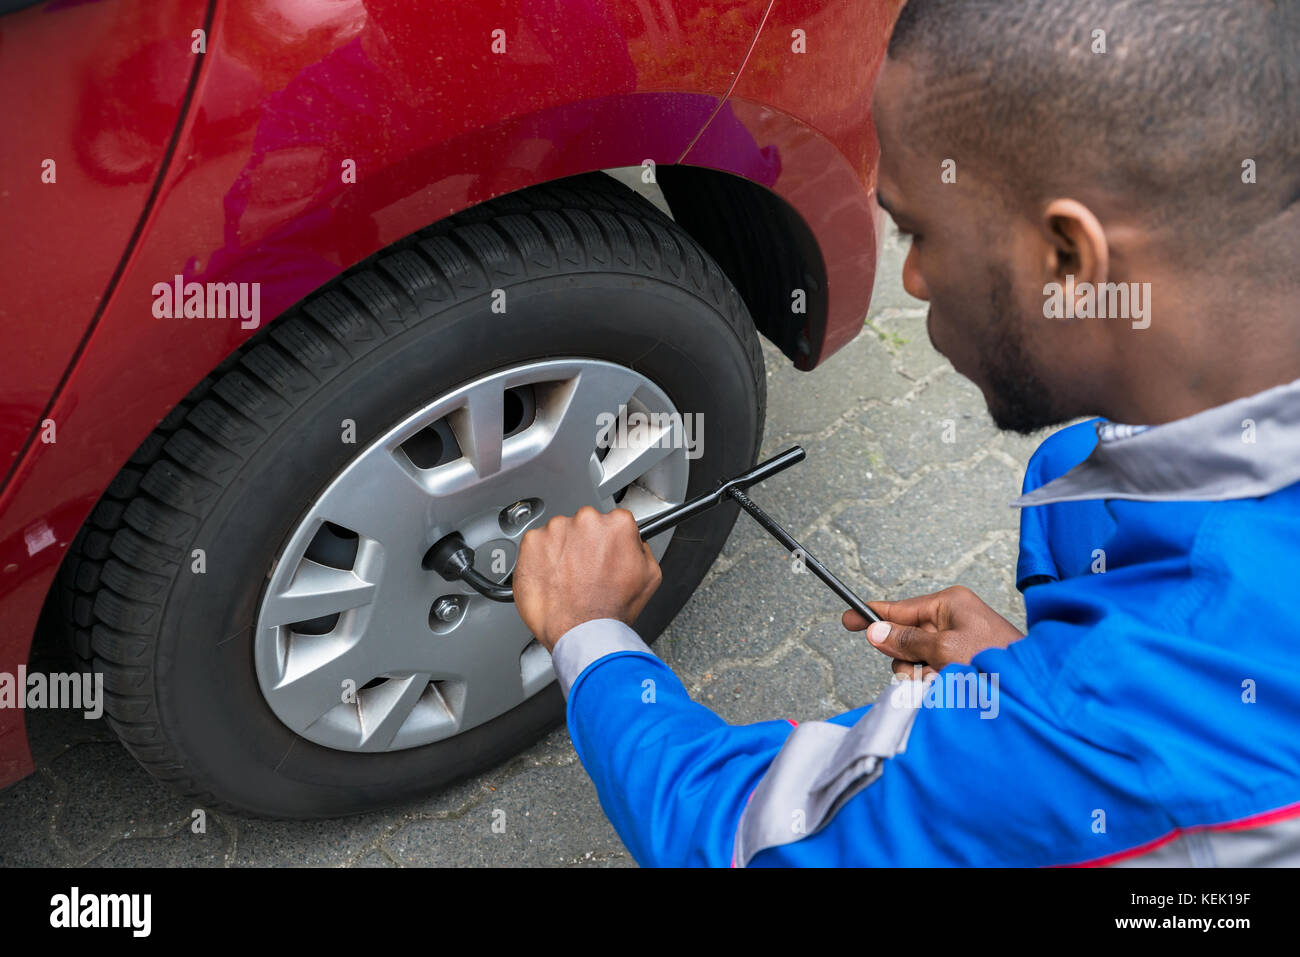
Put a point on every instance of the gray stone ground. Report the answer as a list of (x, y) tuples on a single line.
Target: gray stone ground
[(882, 498)]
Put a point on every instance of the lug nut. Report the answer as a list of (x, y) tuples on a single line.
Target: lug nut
[(513, 519), (446, 609)]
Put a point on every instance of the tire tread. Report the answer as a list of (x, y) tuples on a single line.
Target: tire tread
[(115, 581)]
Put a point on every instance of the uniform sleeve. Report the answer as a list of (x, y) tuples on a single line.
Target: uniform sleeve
[(972, 768), (672, 776)]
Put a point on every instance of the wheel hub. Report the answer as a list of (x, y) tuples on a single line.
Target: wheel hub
[(357, 646)]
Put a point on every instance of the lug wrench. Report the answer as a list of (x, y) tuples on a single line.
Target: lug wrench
[(451, 558)]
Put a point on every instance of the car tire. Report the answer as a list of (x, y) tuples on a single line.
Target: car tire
[(162, 587)]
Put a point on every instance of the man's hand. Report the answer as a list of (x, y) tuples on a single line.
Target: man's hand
[(949, 626), (581, 568)]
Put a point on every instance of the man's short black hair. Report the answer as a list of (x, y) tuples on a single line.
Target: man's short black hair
[(1185, 92)]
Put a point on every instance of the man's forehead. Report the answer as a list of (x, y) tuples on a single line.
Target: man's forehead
[(891, 89), (885, 107), (911, 152)]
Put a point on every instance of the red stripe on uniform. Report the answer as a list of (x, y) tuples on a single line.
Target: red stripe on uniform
[(1245, 823)]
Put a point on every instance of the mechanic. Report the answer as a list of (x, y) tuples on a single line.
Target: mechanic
[(1152, 712)]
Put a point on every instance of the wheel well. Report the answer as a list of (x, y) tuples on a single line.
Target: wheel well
[(764, 247)]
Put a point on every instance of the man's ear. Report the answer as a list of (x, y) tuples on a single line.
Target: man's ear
[(1076, 243)]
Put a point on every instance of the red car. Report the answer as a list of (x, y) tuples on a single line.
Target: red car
[(293, 290)]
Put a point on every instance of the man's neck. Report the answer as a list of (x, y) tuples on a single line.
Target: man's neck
[(1173, 377)]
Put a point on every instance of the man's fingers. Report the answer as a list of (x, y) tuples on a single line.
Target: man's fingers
[(904, 641), (911, 670), (853, 621), (919, 611), (657, 574), (624, 523)]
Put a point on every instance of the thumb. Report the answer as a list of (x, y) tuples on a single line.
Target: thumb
[(903, 641)]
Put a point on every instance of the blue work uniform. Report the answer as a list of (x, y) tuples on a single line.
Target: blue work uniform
[(1151, 714)]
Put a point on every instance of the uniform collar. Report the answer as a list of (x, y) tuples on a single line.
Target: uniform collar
[(1242, 449)]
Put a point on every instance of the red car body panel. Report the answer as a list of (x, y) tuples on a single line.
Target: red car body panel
[(253, 189), (813, 110), (98, 125)]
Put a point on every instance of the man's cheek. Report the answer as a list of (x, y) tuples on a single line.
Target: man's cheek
[(941, 337)]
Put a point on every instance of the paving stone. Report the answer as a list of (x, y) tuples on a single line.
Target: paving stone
[(612, 859), (746, 612), (859, 671), (839, 469), (903, 332), (795, 688), (26, 814), (1019, 447), (327, 843), (183, 849), (549, 816), (946, 423), (375, 859), (806, 403), (932, 524), (109, 797)]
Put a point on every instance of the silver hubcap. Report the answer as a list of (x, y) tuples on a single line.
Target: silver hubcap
[(359, 648)]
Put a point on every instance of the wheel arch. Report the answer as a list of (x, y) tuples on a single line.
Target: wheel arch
[(763, 245)]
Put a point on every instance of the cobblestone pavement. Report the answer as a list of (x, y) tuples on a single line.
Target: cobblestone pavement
[(905, 490)]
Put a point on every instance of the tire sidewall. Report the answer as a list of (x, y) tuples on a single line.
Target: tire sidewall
[(206, 686)]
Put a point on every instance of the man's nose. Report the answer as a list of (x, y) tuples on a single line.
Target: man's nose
[(913, 283)]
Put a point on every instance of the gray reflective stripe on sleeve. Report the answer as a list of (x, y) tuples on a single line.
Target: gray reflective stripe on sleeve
[(1268, 845), (582, 644), (820, 767)]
